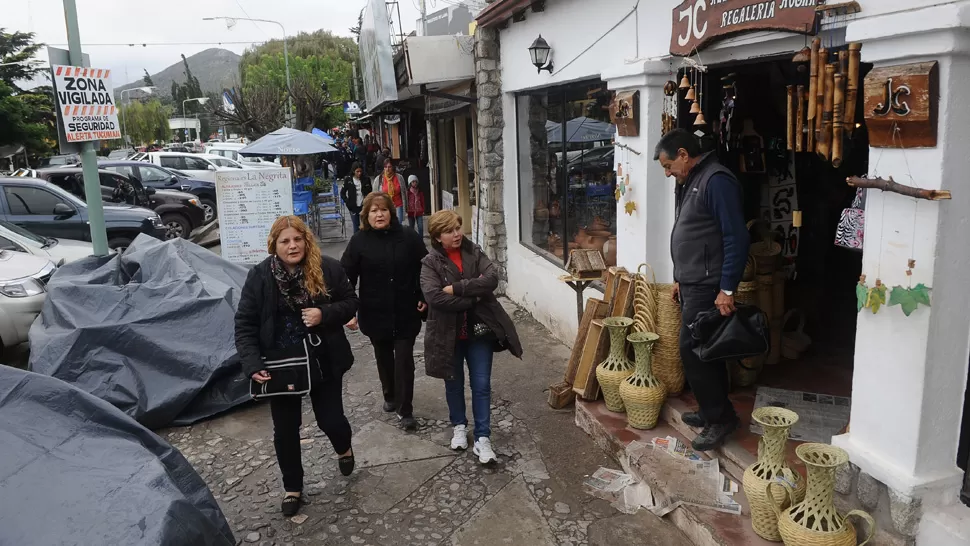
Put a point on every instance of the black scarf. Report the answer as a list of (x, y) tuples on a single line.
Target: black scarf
[(290, 285)]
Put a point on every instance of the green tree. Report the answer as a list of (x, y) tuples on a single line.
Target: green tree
[(318, 82), (18, 47), (26, 117), (190, 90), (146, 122), (147, 79)]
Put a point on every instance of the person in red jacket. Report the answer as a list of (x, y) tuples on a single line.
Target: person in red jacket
[(415, 205), (390, 182)]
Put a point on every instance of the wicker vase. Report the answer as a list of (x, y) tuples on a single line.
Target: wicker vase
[(815, 521), (667, 365), (617, 367), (771, 468), (642, 394)]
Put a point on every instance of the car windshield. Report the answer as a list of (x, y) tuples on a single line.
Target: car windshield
[(32, 237), (61, 160)]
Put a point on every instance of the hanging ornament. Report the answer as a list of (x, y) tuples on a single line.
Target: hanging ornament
[(619, 169), (908, 299), (629, 207), (684, 82), (861, 293), (876, 297)]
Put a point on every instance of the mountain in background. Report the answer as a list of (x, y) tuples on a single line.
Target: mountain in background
[(215, 69)]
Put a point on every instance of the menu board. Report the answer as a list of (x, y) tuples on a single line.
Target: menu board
[(249, 201)]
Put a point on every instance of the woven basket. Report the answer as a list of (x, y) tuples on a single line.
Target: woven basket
[(745, 373), (766, 251), (749, 269), (770, 467), (747, 293), (643, 394), (645, 300), (667, 365)]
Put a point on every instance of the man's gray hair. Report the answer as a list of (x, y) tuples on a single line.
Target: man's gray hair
[(674, 141)]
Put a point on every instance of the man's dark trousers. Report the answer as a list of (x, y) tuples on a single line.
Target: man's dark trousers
[(708, 380)]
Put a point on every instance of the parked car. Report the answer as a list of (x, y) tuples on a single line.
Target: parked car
[(59, 251), (123, 153), (181, 212), (59, 160), (230, 150), (49, 211), (195, 165), (23, 288), (161, 178)]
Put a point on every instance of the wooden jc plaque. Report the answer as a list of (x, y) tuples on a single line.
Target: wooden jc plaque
[(900, 105)]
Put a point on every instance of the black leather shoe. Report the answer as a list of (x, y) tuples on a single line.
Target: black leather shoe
[(693, 419), (291, 505), (389, 407), (346, 464), (714, 435), (409, 423)]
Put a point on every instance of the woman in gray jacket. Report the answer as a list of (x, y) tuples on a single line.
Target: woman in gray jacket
[(466, 323)]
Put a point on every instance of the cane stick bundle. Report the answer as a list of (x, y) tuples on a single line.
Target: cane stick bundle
[(812, 85), (824, 149), (852, 86), (823, 59), (800, 120), (838, 107), (790, 127)]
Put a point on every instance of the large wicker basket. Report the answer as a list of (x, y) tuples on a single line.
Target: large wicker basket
[(667, 366)]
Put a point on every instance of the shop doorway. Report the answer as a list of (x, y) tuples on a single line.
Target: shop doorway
[(794, 202)]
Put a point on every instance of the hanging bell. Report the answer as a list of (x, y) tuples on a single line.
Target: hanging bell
[(695, 108), (684, 82), (700, 120), (691, 95), (803, 56)]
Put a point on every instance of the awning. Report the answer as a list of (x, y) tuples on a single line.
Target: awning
[(449, 107)]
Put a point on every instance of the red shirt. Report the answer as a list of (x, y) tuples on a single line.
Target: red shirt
[(454, 254), (416, 206)]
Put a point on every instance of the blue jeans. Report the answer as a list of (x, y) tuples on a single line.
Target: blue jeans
[(355, 220), (478, 354), (400, 214), (417, 224)]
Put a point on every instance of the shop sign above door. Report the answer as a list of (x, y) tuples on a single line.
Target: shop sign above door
[(696, 23), (900, 105)]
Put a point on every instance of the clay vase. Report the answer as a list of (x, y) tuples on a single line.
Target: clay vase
[(617, 367), (582, 238), (599, 224), (555, 209), (597, 239), (815, 520), (609, 251), (771, 468), (541, 212), (643, 394)]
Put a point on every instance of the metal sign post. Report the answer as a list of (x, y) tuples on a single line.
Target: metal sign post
[(89, 159)]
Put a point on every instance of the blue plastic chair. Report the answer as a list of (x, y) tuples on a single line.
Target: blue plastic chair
[(302, 201)]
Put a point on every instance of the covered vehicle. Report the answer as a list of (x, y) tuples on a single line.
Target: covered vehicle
[(150, 331), (75, 470)]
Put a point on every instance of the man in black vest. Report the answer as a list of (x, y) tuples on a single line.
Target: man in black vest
[(709, 247)]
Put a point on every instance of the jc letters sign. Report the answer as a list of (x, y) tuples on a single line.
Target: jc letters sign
[(698, 22), (900, 105)]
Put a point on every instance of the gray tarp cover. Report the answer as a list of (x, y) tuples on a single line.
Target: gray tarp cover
[(75, 470), (150, 331)]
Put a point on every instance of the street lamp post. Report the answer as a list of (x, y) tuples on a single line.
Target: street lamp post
[(286, 57), (124, 119), (202, 100)]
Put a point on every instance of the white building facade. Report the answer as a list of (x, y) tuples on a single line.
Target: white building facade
[(909, 372)]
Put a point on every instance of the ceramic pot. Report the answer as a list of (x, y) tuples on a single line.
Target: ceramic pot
[(815, 521), (599, 224), (643, 394), (582, 238), (598, 239), (609, 251), (770, 468), (617, 367)]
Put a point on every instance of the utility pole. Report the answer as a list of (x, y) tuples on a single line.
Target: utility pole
[(424, 19), (356, 85), (89, 159)]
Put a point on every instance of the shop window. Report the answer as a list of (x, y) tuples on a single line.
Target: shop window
[(566, 171)]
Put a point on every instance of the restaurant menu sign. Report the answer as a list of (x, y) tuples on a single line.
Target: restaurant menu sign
[(249, 202), (696, 23)]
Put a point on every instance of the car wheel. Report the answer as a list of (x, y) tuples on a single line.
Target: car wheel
[(210, 210), (176, 226), (119, 244)]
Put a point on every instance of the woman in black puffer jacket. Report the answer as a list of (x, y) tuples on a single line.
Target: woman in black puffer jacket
[(387, 260)]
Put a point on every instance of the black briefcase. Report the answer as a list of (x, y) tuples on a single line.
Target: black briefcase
[(743, 334)]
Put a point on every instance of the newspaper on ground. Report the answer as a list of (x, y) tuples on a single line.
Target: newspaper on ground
[(820, 416), (620, 489)]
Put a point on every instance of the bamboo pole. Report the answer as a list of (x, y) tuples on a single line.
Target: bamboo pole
[(790, 127), (838, 106), (823, 59), (800, 121), (825, 135), (843, 63), (812, 85), (852, 86)]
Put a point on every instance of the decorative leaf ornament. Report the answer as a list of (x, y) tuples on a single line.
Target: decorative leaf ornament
[(877, 297), (910, 298), (629, 207), (861, 293)]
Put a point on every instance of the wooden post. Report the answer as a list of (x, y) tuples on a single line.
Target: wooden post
[(825, 136), (823, 59), (461, 153), (800, 122)]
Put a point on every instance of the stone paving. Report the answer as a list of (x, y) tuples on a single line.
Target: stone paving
[(408, 488)]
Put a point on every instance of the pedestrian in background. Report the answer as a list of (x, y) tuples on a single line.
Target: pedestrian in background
[(392, 184), (415, 206), (294, 293), (356, 187), (386, 259), (466, 324)]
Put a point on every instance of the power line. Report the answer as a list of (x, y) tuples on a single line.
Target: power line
[(163, 44)]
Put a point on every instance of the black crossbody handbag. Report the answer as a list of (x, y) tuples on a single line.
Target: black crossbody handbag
[(288, 376)]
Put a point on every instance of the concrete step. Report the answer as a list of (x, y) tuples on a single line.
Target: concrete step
[(704, 527)]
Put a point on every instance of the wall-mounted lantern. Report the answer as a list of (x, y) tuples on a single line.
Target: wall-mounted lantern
[(540, 50)]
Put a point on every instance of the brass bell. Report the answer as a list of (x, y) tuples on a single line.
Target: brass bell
[(691, 95), (684, 82), (700, 120), (695, 108)]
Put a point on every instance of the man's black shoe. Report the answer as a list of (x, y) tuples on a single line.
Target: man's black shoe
[(693, 419), (408, 423), (389, 407), (714, 435)]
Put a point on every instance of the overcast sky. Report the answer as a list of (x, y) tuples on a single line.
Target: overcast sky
[(179, 24)]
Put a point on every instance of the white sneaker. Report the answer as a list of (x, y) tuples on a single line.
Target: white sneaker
[(459, 440), (483, 448)]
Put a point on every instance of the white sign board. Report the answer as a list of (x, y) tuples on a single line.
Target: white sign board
[(447, 200), (86, 103), (377, 55), (249, 202)]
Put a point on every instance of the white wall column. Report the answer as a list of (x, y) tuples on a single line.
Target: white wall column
[(652, 192), (910, 372)]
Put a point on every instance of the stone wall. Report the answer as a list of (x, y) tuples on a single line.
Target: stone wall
[(491, 149), (897, 516)]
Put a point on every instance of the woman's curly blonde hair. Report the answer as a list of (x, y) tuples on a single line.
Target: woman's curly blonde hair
[(312, 260)]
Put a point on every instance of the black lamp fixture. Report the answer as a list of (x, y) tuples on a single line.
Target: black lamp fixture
[(540, 50)]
